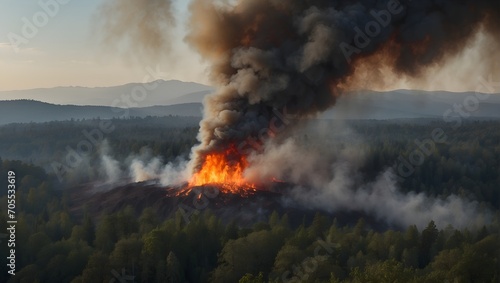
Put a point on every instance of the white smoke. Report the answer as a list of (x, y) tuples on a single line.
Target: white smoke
[(141, 167), (140, 171), (329, 178), (111, 169), (383, 200), (154, 169), (175, 173)]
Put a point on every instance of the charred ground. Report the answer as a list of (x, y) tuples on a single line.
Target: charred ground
[(246, 208)]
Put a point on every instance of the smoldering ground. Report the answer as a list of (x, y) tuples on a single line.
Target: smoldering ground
[(140, 167)]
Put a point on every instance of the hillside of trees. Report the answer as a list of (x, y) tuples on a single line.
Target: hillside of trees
[(53, 245), (466, 164), (14, 111)]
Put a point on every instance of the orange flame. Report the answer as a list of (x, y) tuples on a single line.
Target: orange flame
[(224, 170)]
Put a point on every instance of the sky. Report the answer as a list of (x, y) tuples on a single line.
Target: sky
[(66, 49)]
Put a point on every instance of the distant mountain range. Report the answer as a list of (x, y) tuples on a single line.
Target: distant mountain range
[(403, 104), (158, 92), (26, 111), (185, 99)]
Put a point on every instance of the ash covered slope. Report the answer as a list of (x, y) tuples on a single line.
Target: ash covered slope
[(245, 211)]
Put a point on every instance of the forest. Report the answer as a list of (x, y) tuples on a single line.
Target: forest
[(54, 245)]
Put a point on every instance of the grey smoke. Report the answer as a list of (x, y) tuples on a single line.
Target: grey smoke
[(145, 26), (140, 171), (326, 172), (141, 167), (111, 169), (383, 199), (271, 55), (289, 54)]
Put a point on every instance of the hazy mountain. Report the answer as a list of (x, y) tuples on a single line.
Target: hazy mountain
[(413, 104), (25, 111), (159, 93), (393, 104), (398, 104), (195, 97)]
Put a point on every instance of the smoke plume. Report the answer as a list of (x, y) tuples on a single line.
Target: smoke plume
[(111, 169), (145, 25), (298, 56), (383, 200), (140, 167), (327, 178)]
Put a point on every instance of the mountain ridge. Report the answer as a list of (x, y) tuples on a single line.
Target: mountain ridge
[(157, 92), (28, 111), (185, 99)]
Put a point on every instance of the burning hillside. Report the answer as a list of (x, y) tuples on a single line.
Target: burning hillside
[(296, 58), (224, 170), (244, 206)]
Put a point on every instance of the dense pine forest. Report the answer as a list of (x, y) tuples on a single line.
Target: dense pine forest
[(54, 245)]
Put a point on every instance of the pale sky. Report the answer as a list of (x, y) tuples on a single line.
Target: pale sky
[(67, 50)]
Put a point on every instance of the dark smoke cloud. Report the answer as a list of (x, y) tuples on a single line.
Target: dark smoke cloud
[(299, 55), (145, 25), (279, 54), (295, 57)]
